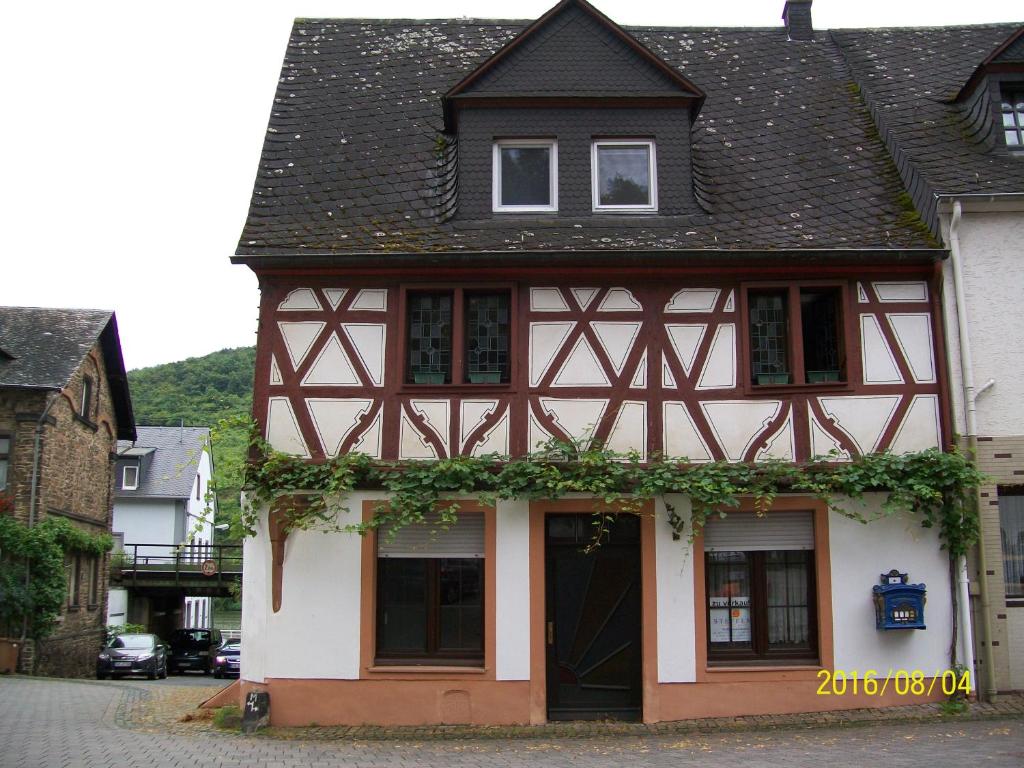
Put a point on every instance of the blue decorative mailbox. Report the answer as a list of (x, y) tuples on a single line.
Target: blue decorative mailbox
[(898, 605)]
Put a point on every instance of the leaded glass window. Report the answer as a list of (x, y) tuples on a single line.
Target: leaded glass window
[(430, 338), (1012, 107), (487, 338), (769, 338)]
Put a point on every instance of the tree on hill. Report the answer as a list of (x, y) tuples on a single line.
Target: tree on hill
[(204, 392)]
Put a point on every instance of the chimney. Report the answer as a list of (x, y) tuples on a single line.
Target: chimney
[(797, 16)]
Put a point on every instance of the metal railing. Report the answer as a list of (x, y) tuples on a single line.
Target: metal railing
[(193, 561)]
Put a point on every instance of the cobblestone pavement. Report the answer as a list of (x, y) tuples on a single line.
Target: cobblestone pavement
[(46, 723)]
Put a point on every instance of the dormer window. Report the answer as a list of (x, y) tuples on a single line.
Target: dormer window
[(1012, 107), (624, 176), (525, 176), (130, 478)]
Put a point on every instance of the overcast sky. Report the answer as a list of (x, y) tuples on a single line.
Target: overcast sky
[(131, 134)]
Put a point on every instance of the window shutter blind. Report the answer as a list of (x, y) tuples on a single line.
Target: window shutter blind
[(430, 540), (746, 532)]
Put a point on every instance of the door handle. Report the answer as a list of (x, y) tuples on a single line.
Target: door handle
[(551, 633)]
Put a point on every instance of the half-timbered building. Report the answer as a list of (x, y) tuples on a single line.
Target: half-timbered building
[(475, 236)]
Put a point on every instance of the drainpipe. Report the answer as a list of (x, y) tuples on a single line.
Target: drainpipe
[(971, 404), (37, 447)]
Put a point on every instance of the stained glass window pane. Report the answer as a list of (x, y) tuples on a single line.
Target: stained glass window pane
[(487, 338), (430, 338), (526, 176), (769, 360), (624, 175)]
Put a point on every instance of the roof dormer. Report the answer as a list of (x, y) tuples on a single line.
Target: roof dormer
[(992, 99), (572, 55)]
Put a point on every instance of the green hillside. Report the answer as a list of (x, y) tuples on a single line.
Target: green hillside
[(203, 391)]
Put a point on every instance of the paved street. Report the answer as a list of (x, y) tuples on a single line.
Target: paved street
[(47, 723)]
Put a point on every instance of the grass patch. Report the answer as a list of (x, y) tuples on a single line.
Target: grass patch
[(228, 718)]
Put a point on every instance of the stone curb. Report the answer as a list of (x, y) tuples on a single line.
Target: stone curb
[(1010, 709)]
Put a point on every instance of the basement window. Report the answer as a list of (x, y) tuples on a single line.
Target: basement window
[(525, 174)]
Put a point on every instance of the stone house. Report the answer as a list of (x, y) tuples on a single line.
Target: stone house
[(64, 404), (473, 236), (949, 104)]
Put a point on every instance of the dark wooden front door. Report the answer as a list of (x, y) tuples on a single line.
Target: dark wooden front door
[(592, 628)]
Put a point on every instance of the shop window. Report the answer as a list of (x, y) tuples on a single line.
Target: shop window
[(795, 335), (476, 323), (430, 593), (1011, 532), (760, 590)]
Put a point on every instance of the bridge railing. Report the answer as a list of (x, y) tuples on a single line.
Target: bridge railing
[(212, 561)]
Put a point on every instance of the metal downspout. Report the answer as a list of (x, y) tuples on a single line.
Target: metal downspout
[(970, 402)]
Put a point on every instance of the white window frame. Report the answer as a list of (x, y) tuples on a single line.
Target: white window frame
[(652, 161), (496, 175), (124, 478)]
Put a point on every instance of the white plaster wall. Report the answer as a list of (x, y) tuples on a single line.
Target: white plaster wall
[(146, 521), (117, 606), (990, 247), (677, 660), (859, 553), (512, 591), (197, 507), (256, 603), (320, 599)]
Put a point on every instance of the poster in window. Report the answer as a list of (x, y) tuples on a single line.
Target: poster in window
[(719, 629), (740, 624)]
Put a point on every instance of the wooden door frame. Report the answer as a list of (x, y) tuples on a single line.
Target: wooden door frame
[(538, 605)]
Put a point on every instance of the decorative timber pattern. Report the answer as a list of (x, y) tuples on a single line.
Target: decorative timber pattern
[(638, 367)]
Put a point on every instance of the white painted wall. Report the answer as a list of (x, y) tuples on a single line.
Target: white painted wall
[(859, 554), (117, 606), (146, 521), (256, 607), (512, 591), (677, 660), (990, 247), (199, 525)]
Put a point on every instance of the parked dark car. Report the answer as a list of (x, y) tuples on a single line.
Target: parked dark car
[(226, 661), (133, 654), (193, 649)]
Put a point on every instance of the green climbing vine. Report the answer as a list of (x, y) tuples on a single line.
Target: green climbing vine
[(934, 485), (39, 551)]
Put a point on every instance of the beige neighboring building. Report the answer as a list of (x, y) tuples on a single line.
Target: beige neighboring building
[(64, 404), (949, 103)]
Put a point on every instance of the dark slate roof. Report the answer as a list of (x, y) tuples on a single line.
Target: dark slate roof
[(909, 78), (41, 348), (170, 470), (786, 155)]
